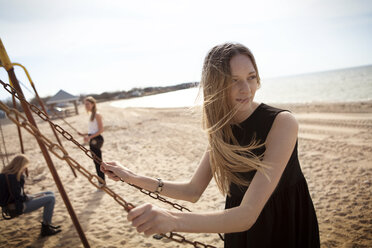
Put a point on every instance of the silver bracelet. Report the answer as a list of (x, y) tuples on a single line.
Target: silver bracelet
[(160, 186)]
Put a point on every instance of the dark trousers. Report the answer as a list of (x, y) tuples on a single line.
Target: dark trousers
[(95, 145)]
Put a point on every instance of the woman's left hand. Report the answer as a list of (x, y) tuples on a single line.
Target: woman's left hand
[(151, 219)]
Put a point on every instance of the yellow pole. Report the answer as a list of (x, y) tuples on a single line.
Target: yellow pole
[(27, 74), (4, 59)]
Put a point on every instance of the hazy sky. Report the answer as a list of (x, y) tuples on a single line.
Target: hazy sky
[(91, 46)]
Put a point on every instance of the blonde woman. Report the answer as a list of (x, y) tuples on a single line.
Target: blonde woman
[(12, 191), (95, 129), (252, 155)]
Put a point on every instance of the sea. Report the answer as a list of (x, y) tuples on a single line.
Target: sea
[(345, 85)]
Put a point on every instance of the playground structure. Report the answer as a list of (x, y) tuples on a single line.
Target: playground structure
[(28, 123)]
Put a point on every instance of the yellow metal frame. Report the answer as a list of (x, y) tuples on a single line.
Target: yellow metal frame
[(24, 69), (5, 62), (4, 58)]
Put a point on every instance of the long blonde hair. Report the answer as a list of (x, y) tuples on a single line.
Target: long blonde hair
[(16, 166), (94, 109), (227, 157)]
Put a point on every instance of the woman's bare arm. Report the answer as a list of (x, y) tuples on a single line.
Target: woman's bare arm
[(189, 190)]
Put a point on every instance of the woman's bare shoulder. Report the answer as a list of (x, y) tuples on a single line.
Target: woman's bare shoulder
[(285, 123)]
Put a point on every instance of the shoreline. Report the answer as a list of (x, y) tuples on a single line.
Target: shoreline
[(330, 107), (335, 152)]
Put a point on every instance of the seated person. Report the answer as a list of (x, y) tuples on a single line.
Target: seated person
[(12, 191)]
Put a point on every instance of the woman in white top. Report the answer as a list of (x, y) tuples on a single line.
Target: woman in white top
[(95, 129)]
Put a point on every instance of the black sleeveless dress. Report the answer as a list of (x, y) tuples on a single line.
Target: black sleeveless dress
[(288, 219)]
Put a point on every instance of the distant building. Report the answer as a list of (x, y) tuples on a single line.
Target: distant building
[(61, 100), (136, 93)]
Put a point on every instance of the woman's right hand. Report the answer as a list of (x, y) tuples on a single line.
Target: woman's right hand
[(116, 171)]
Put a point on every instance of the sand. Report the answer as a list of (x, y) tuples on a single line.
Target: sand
[(335, 151)]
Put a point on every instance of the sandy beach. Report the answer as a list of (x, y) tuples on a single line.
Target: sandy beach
[(335, 151)]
